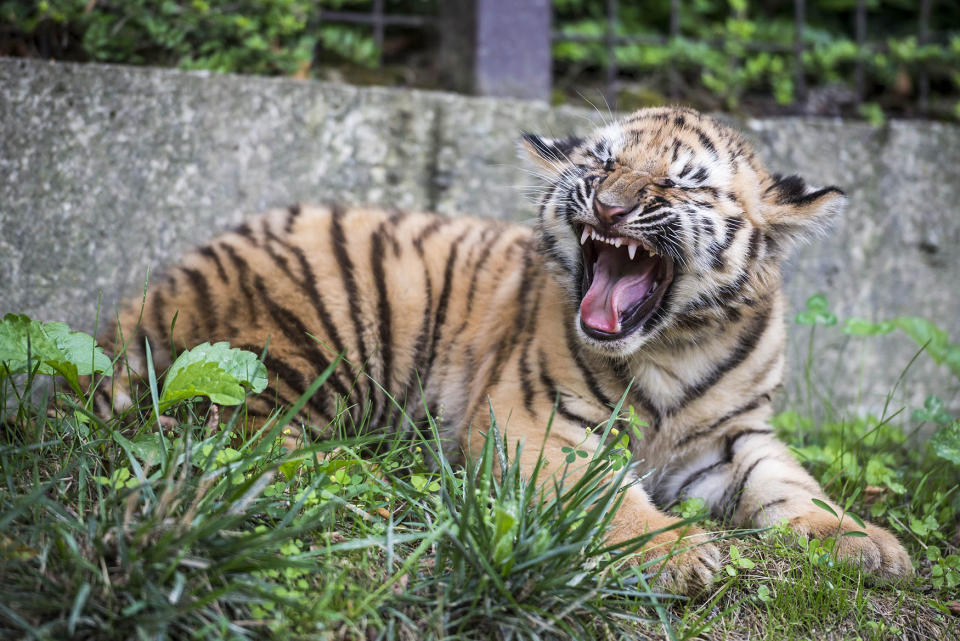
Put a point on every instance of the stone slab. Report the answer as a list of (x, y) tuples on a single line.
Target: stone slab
[(107, 172)]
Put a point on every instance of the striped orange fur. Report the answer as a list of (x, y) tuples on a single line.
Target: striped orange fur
[(656, 258)]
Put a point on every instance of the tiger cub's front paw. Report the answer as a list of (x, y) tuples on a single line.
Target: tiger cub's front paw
[(692, 563), (879, 552)]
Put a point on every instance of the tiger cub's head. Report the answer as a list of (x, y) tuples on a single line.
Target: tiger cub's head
[(664, 223)]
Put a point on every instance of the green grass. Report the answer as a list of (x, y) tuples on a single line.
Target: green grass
[(118, 530)]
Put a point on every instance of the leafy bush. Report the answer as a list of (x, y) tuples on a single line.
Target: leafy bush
[(741, 52), (248, 36)]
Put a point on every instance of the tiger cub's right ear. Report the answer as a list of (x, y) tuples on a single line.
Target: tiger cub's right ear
[(793, 211), (552, 154)]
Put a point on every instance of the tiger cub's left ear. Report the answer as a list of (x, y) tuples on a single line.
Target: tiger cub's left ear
[(552, 154), (795, 212)]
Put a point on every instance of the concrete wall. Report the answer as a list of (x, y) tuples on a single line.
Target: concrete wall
[(108, 171)]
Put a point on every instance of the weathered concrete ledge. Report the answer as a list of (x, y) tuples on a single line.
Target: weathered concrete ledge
[(107, 171)]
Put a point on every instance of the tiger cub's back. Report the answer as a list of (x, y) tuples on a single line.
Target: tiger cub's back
[(412, 300)]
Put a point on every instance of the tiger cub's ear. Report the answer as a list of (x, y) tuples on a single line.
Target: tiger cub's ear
[(795, 212), (552, 154)]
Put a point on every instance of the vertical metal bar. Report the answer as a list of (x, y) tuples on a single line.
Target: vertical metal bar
[(799, 83), (610, 88), (860, 27), (923, 80), (378, 29), (674, 34)]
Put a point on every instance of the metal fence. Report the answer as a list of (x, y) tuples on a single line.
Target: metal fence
[(463, 16)]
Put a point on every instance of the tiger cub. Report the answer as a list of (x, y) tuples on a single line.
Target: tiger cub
[(655, 258)]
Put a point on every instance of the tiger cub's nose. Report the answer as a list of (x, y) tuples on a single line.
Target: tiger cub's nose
[(610, 214)]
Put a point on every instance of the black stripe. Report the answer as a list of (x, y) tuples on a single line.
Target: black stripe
[(659, 314), (396, 217), (311, 288), (646, 221), (719, 248), (737, 494), (706, 142), (282, 261), (763, 508), (554, 396), (749, 338), (243, 269), (752, 405), (526, 384), (732, 439), (527, 335), (162, 326), (478, 267), (429, 231), (444, 300), (345, 264), (638, 396), (384, 314), (298, 335), (294, 378), (697, 476), (209, 253), (246, 232), (753, 249), (293, 212), (585, 371)]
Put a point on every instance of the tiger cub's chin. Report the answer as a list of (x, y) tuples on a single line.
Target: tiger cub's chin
[(654, 266)]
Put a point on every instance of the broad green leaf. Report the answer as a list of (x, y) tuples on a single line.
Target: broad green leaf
[(147, 447), (202, 379), (926, 334), (53, 348), (219, 372), (946, 442), (242, 365), (863, 327)]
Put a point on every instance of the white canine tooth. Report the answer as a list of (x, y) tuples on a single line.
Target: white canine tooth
[(632, 250), (585, 235)]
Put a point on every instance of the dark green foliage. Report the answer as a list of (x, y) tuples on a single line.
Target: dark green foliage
[(740, 52), (247, 36)]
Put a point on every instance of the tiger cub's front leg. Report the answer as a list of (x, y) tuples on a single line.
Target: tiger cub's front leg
[(693, 559), (752, 480)]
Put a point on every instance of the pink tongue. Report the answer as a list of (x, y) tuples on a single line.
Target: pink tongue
[(614, 290)]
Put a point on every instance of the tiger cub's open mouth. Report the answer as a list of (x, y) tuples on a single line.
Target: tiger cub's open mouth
[(624, 281)]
